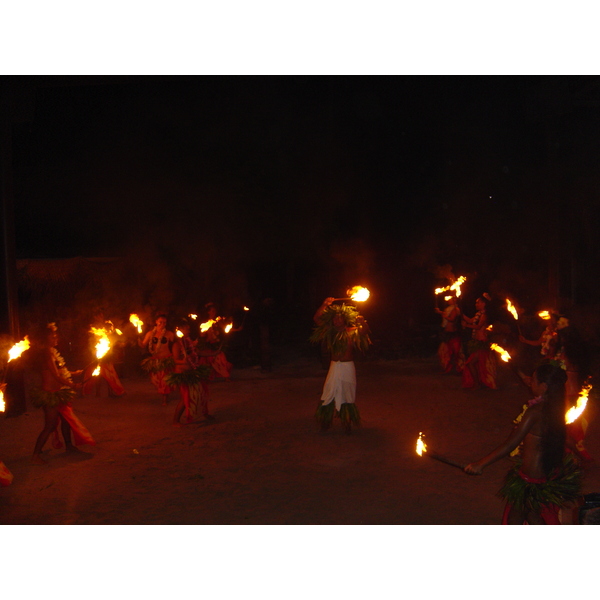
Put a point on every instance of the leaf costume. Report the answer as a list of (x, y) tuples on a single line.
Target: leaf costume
[(339, 391)]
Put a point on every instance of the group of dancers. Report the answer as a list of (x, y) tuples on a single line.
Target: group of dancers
[(175, 362), (548, 452)]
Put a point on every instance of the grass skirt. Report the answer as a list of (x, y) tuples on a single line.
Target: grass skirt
[(40, 398), (189, 377), (348, 413), (156, 365), (562, 487)]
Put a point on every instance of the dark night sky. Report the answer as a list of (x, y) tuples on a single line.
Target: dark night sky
[(344, 177), (266, 153)]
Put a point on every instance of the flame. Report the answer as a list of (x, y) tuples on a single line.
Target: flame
[(228, 327), (358, 293), (2, 404), (246, 308), (96, 371), (118, 332), (103, 343), (421, 446), (490, 327), (18, 349), (544, 314), (179, 333), (511, 309), (204, 327), (134, 319), (446, 298), (455, 287), (193, 316), (504, 355), (575, 411)]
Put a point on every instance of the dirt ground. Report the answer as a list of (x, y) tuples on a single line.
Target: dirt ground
[(263, 459)]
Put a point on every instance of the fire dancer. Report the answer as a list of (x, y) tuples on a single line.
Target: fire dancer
[(545, 477), (342, 329), (480, 367), (107, 362), (159, 341), (213, 338), (450, 350), (54, 394), (190, 376), (547, 340), (573, 356)]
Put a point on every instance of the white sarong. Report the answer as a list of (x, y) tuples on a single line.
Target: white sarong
[(340, 384)]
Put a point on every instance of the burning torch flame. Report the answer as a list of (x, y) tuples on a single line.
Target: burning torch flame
[(2, 404), (192, 316), (135, 321), (575, 411), (358, 293), (511, 309), (103, 343), (246, 308), (204, 327), (96, 371), (544, 314), (455, 287), (504, 355), (421, 446), (228, 327), (18, 349), (179, 333)]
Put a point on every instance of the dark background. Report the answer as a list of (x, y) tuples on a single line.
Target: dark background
[(162, 193)]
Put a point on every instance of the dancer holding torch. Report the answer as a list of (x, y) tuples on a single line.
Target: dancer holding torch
[(450, 351), (343, 330), (480, 367), (190, 376), (546, 477), (159, 364), (54, 394)]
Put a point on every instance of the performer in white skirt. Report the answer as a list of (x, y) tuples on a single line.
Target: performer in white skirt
[(341, 329)]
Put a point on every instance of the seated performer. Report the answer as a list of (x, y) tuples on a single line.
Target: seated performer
[(546, 477), (190, 376), (342, 329), (54, 394)]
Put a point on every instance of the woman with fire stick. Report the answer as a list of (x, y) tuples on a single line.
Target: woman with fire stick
[(547, 340), (108, 373), (190, 376), (546, 476), (213, 337), (480, 367), (54, 393), (159, 341), (450, 349), (572, 355), (343, 330)]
